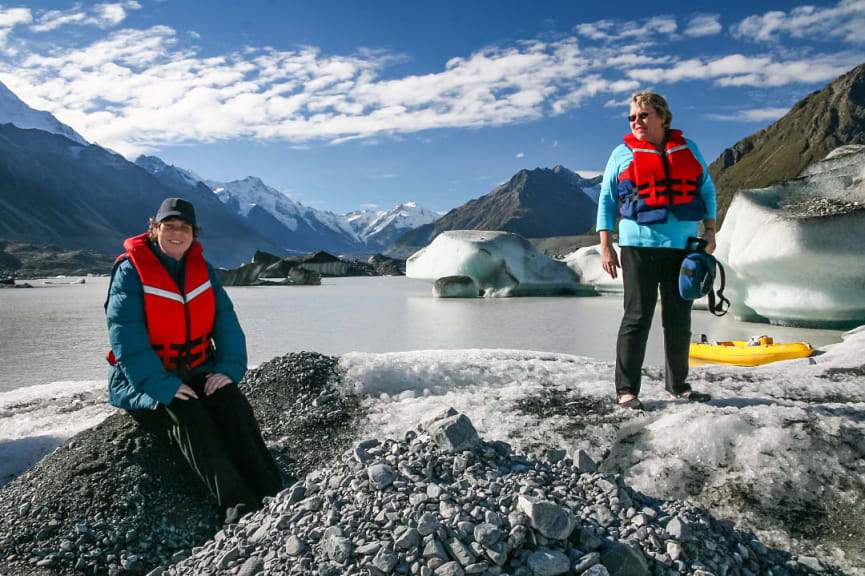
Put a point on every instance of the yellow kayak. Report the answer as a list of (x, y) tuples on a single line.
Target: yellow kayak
[(741, 354)]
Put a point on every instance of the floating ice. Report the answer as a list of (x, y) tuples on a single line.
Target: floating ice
[(586, 262), (500, 263), (795, 253)]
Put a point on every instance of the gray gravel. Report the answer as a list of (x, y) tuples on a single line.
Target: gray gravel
[(112, 500), (421, 507)]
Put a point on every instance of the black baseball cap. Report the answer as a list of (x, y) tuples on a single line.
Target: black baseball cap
[(176, 208)]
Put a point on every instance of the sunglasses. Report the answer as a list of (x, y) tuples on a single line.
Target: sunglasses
[(641, 116)]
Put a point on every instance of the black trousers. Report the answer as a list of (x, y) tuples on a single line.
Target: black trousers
[(221, 441), (644, 271)]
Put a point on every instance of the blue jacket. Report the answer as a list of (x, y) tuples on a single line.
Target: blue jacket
[(673, 233), (139, 380)]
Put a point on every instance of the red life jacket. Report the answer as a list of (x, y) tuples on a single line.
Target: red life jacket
[(180, 324), (655, 183)]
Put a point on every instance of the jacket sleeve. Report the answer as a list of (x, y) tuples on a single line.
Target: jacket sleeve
[(707, 187), (127, 332), (228, 337), (608, 201)]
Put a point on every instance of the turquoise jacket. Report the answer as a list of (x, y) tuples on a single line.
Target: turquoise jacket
[(139, 380), (673, 233)]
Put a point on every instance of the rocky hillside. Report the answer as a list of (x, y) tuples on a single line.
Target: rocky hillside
[(819, 123)]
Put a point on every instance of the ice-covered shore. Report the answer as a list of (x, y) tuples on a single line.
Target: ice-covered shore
[(779, 451)]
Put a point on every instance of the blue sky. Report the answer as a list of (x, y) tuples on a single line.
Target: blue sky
[(351, 104)]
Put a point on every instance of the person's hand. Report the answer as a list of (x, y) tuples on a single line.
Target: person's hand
[(214, 382), (709, 237), (185, 393), (609, 260)]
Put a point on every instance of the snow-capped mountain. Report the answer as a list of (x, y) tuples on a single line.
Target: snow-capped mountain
[(300, 228), (380, 229), (14, 111)]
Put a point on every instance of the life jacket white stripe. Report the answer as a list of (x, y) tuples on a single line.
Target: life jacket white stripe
[(153, 291), (677, 148), (198, 291), (645, 150)]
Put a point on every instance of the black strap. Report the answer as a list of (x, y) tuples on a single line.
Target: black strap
[(720, 307)]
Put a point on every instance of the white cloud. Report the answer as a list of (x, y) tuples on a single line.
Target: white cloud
[(703, 25), (760, 71), (135, 90), (53, 19), (845, 20), (616, 30), (10, 18), (105, 15), (753, 115), (521, 155)]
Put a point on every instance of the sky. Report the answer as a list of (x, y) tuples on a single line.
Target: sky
[(351, 104)]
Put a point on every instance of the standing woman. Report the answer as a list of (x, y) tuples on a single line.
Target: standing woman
[(659, 184), (177, 354)]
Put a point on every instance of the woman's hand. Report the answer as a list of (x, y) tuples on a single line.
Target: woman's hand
[(214, 382), (709, 237), (609, 260), (185, 393)]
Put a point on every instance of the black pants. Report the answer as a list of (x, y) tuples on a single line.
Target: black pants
[(644, 270), (220, 440)]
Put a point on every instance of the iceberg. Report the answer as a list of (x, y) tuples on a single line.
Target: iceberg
[(794, 253), (586, 262), (500, 263)]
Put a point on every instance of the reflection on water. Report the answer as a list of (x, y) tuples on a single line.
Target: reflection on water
[(53, 333)]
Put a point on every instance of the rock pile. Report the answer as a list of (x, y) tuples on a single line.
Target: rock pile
[(821, 208), (444, 503), (112, 500)]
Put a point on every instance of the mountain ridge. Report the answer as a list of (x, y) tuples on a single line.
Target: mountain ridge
[(822, 121), (534, 203)]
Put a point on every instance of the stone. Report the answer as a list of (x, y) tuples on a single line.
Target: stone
[(380, 475), (487, 534), (427, 524), (450, 569), (548, 518), (548, 563), (597, 570), (409, 539), (293, 545), (624, 560), (678, 529), (252, 566), (454, 434), (338, 548)]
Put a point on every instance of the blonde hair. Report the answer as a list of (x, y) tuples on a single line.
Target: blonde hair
[(153, 225), (657, 102)]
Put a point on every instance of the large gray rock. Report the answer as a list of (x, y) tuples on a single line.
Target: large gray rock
[(624, 560), (548, 518), (548, 563), (454, 434), (380, 475)]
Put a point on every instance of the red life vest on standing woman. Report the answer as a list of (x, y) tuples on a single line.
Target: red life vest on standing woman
[(179, 323), (656, 183)]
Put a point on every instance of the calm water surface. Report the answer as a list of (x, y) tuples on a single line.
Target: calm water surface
[(57, 332)]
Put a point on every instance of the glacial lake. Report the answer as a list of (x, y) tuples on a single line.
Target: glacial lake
[(56, 332)]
